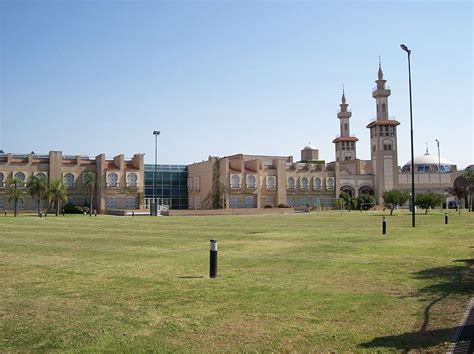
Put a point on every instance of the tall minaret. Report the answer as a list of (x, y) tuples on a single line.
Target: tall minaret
[(383, 141), (345, 144)]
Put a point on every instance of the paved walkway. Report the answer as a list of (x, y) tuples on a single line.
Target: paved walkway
[(464, 340)]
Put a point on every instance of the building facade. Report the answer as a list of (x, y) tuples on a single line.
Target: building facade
[(253, 181), (120, 181), (170, 184)]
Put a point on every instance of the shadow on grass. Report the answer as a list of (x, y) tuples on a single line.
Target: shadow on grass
[(191, 277), (457, 279)]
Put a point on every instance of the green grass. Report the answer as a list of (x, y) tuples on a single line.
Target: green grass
[(302, 282)]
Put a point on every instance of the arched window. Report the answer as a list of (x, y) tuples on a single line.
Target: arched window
[(131, 202), (132, 180), (289, 201), (291, 183), (112, 179), (111, 202), (235, 181), (317, 183), (251, 181), (384, 109), (270, 182), (304, 183), (20, 176), (234, 201), (249, 201), (330, 183), (2, 179), (41, 175), (68, 180)]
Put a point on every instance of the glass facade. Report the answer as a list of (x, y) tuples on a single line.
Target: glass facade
[(171, 185)]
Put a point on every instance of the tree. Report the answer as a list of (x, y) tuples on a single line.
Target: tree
[(14, 193), (57, 194), (37, 187), (90, 183), (428, 200), (392, 199), (460, 189), (349, 202), (469, 176), (364, 200)]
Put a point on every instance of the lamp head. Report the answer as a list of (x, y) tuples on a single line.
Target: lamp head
[(405, 48), (156, 132)]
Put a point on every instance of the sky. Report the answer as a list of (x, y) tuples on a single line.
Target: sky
[(227, 77)]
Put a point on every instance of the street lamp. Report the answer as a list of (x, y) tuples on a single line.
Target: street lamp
[(405, 48), (439, 169), (154, 210)]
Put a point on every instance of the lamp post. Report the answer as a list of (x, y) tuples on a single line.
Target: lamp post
[(439, 170), (155, 203), (405, 48)]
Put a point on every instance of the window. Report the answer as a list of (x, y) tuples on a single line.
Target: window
[(289, 201), (291, 183), (251, 181), (20, 176), (112, 180), (21, 203), (249, 201), (190, 184), (235, 181), (373, 148), (2, 179), (317, 183), (302, 201), (346, 126), (387, 147), (269, 201), (348, 157), (111, 202), (197, 184), (423, 168), (384, 110), (270, 182), (131, 202), (304, 183), (41, 175), (69, 180), (1, 203), (330, 183), (234, 201), (132, 180)]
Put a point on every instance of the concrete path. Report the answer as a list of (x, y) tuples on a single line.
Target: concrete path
[(464, 338)]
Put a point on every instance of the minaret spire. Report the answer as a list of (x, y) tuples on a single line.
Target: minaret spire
[(380, 70), (345, 144), (343, 99)]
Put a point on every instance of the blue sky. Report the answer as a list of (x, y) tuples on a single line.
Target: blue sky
[(219, 78)]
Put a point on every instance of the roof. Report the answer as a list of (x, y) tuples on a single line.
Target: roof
[(428, 159), (383, 122), (345, 138)]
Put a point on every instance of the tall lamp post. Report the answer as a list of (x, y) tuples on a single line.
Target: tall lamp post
[(154, 211), (412, 168), (439, 170)]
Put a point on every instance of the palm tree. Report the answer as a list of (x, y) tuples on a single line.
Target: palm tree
[(14, 193), (37, 187), (57, 194), (90, 183)]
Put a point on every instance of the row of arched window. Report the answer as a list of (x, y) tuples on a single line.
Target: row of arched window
[(235, 182), (304, 183), (69, 179)]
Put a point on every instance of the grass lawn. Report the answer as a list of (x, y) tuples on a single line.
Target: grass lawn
[(298, 282)]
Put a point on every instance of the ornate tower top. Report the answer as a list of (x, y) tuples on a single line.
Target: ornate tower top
[(343, 99), (380, 73)]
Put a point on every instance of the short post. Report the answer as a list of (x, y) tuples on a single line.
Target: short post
[(384, 225), (95, 212), (213, 260), (446, 218), (133, 212), (5, 212)]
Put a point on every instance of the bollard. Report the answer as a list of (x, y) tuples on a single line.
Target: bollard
[(446, 218), (133, 212), (5, 212), (384, 225), (213, 260)]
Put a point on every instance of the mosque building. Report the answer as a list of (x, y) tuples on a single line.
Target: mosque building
[(254, 181)]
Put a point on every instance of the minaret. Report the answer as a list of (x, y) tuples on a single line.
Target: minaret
[(345, 144), (383, 141)]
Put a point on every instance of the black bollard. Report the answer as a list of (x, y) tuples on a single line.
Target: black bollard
[(446, 218), (213, 260), (384, 225), (95, 212), (5, 212), (133, 212)]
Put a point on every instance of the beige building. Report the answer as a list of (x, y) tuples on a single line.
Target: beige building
[(120, 180), (252, 181)]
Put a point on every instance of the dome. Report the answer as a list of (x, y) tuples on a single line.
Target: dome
[(428, 159), (309, 147)]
